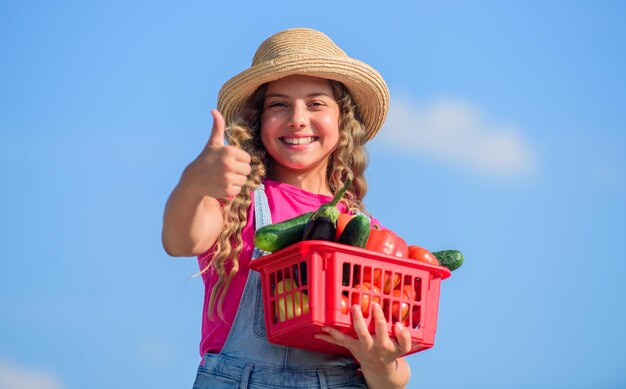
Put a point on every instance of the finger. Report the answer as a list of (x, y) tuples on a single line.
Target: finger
[(336, 337), (243, 168), (380, 323), (403, 337), (231, 191), (328, 338), (237, 179), (360, 327), (217, 132), (235, 186), (240, 155)]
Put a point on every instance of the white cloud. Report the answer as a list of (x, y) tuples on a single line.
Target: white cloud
[(14, 376), (456, 132)]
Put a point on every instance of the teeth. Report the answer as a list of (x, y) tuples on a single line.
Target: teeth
[(299, 141)]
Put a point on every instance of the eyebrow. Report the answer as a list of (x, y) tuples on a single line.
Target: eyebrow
[(284, 96)]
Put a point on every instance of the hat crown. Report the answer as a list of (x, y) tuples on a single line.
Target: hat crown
[(296, 42)]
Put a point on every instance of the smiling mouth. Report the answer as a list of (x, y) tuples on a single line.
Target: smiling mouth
[(305, 140)]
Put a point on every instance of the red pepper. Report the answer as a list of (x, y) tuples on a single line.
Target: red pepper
[(387, 242), (342, 221)]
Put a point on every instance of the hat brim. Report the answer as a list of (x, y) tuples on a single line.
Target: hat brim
[(365, 84)]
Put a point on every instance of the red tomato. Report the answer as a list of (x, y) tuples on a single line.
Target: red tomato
[(402, 306), (421, 254), (367, 277), (345, 304), (414, 295), (400, 309), (365, 297), (410, 292), (415, 316), (390, 280)]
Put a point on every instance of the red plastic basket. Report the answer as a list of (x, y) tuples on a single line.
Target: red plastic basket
[(305, 285)]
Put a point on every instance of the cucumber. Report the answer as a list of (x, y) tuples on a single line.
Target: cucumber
[(452, 259), (274, 237), (356, 231)]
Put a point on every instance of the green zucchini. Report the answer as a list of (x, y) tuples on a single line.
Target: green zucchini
[(356, 231), (274, 237), (452, 259)]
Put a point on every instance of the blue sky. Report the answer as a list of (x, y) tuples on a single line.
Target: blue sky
[(506, 140)]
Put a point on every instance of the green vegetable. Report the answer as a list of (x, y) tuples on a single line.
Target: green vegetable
[(323, 223), (452, 259), (356, 232), (274, 237)]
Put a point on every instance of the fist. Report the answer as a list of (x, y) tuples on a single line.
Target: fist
[(220, 171)]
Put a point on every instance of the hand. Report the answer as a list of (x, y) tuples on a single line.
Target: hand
[(220, 171), (377, 353)]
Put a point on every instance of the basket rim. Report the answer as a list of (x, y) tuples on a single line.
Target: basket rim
[(309, 245)]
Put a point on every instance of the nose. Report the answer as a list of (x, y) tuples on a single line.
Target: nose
[(299, 116)]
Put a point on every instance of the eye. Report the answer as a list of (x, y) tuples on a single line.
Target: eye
[(317, 104), (273, 104)]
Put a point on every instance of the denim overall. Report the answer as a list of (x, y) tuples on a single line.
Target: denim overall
[(248, 360)]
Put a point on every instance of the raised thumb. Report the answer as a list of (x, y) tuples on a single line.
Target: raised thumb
[(217, 132)]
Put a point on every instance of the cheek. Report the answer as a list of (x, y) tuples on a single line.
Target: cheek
[(267, 129), (330, 125), (333, 131), (331, 121)]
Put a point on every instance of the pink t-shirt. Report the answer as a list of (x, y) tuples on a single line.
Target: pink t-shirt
[(285, 202)]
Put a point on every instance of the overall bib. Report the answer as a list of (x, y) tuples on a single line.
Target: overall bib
[(248, 360)]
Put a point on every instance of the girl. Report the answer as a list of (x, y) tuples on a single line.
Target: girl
[(295, 123)]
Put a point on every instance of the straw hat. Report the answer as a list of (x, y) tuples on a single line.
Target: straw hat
[(309, 52)]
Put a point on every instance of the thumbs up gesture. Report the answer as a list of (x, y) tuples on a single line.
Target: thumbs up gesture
[(220, 171)]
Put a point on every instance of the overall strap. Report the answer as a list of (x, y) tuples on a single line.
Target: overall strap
[(262, 216)]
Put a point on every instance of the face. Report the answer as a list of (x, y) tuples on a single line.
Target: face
[(300, 124)]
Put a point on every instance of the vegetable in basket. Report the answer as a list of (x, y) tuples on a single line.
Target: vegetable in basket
[(342, 222), (452, 259), (356, 232), (421, 254), (274, 237), (293, 304), (387, 242), (323, 224)]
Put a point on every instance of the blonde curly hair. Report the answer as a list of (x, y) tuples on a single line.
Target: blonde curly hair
[(349, 159)]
